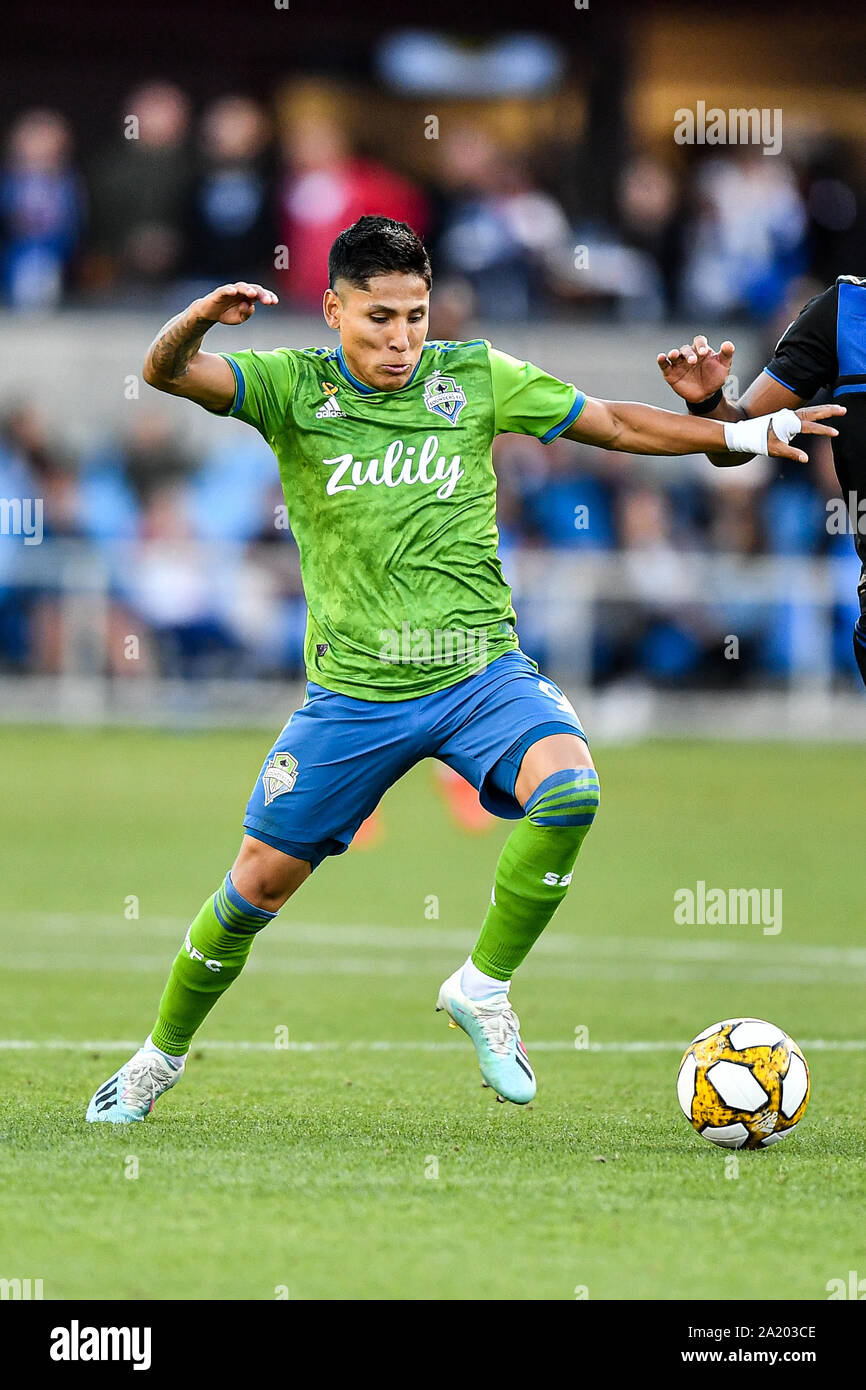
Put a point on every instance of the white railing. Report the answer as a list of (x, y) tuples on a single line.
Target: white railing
[(563, 599)]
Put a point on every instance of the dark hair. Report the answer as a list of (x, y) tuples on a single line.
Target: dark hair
[(377, 246)]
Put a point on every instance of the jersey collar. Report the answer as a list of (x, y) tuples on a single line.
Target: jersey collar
[(373, 390)]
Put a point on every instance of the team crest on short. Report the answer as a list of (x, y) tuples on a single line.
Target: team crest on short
[(279, 776), (444, 396)]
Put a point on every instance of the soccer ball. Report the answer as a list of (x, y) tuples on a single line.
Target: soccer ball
[(743, 1083)]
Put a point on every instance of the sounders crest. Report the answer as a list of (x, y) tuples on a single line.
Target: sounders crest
[(444, 396), (279, 776)]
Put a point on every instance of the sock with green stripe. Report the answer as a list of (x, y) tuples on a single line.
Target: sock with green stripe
[(535, 869), (214, 953)]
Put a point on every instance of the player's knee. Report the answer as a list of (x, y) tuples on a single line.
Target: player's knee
[(265, 876), (567, 799)]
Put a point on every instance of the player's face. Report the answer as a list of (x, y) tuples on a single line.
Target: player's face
[(382, 328)]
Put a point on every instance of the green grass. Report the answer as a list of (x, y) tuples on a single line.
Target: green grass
[(311, 1168)]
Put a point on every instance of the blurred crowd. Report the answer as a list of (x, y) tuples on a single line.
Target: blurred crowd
[(199, 566), (197, 559), (174, 200)]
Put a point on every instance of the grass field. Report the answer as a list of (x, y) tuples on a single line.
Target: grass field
[(310, 1170)]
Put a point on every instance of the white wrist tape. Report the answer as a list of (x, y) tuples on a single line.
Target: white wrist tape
[(750, 436)]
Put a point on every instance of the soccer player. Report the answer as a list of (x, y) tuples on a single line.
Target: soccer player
[(824, 348), (384, 448)]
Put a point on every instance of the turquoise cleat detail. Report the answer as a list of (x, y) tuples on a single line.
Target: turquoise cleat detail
[(495, 1030), (129, 1095)]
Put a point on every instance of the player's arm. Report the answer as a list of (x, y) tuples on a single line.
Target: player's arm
[(697, 374), (804, 361), (175, 362), (528, 400), (632, 428)]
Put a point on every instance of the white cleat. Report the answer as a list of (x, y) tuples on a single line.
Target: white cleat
[(495, 1030), (130, 1093)]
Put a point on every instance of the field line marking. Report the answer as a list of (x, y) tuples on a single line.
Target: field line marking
[(387, 1045), (676, 946)]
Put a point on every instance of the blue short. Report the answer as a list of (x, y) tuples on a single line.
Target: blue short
[(337, 756)]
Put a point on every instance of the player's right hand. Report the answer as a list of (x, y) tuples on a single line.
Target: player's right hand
[(234, 304), (809, 416), (695, 370)]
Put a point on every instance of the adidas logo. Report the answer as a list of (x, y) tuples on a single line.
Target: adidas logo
[(107, 1094), (330, 411)]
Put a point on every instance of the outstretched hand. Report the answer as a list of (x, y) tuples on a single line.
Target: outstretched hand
[(695, 371), (233, 304), (809, 415)]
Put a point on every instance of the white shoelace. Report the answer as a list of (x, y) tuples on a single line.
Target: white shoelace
[(499, 1024), (146, 1080)]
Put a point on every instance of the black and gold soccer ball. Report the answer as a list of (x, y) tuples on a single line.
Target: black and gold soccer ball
[(743, 1083)]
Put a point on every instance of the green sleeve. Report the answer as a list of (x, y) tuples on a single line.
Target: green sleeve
[(528, 401), (264, 384)]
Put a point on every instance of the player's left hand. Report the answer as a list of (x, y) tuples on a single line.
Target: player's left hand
[(810, 415), (695, 370)]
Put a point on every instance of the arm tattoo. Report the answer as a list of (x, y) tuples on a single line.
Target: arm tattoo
[(176, 344)]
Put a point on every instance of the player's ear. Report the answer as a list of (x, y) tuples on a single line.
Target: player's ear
[(331, 308)]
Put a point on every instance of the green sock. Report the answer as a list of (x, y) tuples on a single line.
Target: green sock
[(213, 954), (535, 869)]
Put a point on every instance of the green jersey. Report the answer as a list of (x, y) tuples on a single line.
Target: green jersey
[(391, 497)]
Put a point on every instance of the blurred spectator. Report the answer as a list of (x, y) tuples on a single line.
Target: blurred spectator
[(657, 629), (452, 309), (651, 212), (47, 472), (326, 187), (199, 561), (140, 186), (108, 507), (736, 525), (726, 234), (836, 205), (797, 294), (498, 229), (232, 491), (150, 456), (33, 467), (183, 600), (573, 506), (17, 480), (232, 230), (41, 211), (748, 238), (522, 469), (187, 535), (794, 516)]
